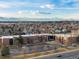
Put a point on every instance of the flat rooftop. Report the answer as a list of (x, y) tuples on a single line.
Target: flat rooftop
[(27, 35), (45, 34)]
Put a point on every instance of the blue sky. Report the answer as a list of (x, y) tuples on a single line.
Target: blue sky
[(39, 8)]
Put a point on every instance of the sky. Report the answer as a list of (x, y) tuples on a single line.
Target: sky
[(40, 8)]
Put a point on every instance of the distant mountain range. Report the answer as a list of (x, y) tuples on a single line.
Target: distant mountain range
[(6, 19)]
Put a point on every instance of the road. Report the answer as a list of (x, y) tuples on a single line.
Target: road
[(74, 54)]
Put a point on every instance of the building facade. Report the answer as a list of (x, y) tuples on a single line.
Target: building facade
[(62, 39), (28, 39)]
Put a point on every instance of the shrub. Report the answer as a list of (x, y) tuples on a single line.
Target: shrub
[(5, 51)]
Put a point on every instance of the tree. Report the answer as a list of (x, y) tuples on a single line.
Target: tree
[(5, 51), (77, 39), (20, 41)]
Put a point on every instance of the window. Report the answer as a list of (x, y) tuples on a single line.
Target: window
[(10, 41), (51, 38)]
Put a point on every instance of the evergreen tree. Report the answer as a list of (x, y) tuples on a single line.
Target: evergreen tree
[(5, 51), (20, 40)]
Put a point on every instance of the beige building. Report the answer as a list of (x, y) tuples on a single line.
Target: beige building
[(28, 39), (64, 39)]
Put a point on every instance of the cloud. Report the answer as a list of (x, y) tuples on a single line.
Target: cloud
[(75, 0), (21, 3), (26, 13), (69, 4), (42, 6), (67, 8), (31, 12), (71, 16), (38, 14), (4, 6), (13, 4), (66, 1), (49, 6), (7, 15)]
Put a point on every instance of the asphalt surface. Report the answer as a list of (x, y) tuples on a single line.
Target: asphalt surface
[(74, 54)]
